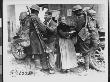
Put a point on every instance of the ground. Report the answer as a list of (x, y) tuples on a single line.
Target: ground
[(28, 70)]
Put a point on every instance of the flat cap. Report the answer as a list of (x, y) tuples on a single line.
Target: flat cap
[(48, 12)]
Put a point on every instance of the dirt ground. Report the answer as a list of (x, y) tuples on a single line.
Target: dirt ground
[(29, 67), (29, 71)]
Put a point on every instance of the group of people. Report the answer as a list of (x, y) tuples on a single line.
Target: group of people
[(56, 43)]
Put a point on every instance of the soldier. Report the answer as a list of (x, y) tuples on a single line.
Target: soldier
[(51, 38), (85, 43), (22, 19), (36, 28)]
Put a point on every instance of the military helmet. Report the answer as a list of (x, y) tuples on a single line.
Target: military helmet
[(92, 12), (77, 7), (86, 9), (35, 7), (22, 15)]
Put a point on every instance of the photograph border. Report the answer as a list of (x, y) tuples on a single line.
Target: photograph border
[(5, 38)]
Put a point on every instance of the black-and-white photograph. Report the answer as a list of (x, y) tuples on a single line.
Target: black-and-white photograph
[(56, 40)]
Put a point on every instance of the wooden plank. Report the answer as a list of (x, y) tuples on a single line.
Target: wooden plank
[(0, 59), (0, 50), (0, 36), (1, 78), (0, 22), (0, 69)]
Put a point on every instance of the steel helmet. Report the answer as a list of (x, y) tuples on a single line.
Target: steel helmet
[(86, 8), (77, 7), (22, 15), (35, 7), (92, 12)]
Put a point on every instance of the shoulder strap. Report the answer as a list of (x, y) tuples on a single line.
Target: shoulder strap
[(86, 19)]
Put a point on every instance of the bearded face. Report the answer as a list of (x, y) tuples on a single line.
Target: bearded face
[(78, 12), (47, 17)]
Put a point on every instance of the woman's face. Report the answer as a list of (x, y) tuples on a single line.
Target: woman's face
[(63, 20), (47, 17)]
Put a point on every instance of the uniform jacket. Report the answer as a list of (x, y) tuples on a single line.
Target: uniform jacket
[(35, 28), (92, 41)]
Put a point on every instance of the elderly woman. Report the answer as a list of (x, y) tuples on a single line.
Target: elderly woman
[(67, 50)]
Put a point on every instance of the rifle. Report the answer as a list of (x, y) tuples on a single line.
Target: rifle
[(28, 10), (37, 30)]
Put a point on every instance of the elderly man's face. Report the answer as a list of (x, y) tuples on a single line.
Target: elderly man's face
[(47, 17), (78, 12)]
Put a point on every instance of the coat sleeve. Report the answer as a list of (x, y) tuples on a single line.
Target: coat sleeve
[(97, 24), (95, 39), (61, 32)]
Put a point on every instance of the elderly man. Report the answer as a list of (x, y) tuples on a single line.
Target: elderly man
[(51, 37), (87, 35)]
